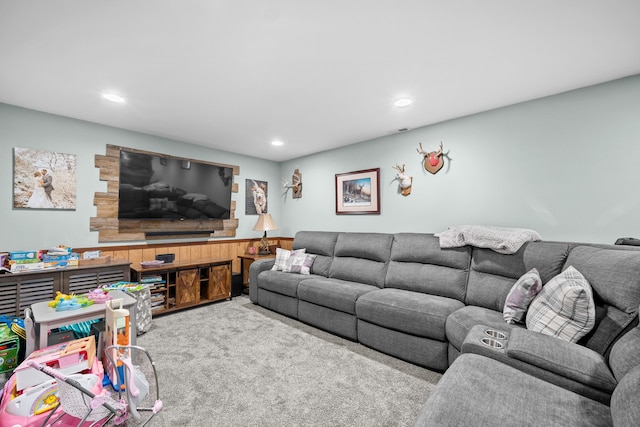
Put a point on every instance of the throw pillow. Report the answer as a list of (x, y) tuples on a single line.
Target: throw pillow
[(282, 255), (564, 308), (521, 295), (300, 263)]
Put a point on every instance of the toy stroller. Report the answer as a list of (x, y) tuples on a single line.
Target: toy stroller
[(131, 381), (82, 407)]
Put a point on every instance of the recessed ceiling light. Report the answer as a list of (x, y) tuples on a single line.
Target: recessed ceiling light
[(113, 97), (403, 102), (277, 143)]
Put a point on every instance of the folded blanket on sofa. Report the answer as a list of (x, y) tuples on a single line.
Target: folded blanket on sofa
[(500, 239)]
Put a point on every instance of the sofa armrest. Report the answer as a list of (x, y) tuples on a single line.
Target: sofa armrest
[(560, 357), (255, 269), (564, 364), (478, 341)]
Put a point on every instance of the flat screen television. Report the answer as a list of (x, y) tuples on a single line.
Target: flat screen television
[(158, 187)]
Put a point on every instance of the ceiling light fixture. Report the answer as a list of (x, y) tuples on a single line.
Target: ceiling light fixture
[(403, 102), (277, 143), (113, 97)]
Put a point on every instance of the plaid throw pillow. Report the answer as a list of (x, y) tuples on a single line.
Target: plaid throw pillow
[(300, 263), (521, 295), (564, 308), (282, 255)]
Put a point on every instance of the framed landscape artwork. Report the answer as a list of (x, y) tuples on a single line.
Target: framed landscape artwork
[(358, 192), (44, 179)]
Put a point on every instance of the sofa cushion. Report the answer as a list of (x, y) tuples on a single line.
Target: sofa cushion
[(321, 243), (564, 308), (614, 275), (478, 391), (625, 410), (336, 294), (418, 264), (563, 358), (492, 274), (425, 249), (281, 283), (414, 313), (361, 257), (521, 295)]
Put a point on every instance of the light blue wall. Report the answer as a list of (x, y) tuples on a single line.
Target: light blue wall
[(567, 166), (41, 229)]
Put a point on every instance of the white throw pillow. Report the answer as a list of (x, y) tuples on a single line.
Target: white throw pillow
[(520, 296), (564, 308), (282, 255)]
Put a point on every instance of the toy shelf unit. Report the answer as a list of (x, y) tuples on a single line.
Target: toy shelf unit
[(19, 290), (179, 285)]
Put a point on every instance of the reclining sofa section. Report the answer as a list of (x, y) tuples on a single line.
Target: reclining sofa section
[(403, 295)]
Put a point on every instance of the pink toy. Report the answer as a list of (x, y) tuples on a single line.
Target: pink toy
[(99, 296), (36, 404), (79, 399), (79, 404)]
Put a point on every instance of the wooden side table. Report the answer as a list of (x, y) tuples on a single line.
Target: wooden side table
[(246, 261)]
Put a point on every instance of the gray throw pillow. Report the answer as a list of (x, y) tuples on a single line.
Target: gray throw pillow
[(521, 295)]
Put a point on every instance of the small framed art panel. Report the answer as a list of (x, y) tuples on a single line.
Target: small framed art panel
[(358, 192), (44, 179)]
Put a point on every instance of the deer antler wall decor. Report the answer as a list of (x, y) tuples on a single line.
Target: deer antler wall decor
[(404, 181), (295, 186), (432, 161)]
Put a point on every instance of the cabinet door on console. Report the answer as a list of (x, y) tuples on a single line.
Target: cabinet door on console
[(219, 284), (187, 287)]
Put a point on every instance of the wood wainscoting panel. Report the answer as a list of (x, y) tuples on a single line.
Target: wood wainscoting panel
[(188, 251)]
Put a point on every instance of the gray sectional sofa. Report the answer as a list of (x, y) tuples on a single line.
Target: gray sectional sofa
[(404, 295)]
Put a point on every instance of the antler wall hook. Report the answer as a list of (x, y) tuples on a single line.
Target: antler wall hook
[(295, 186)]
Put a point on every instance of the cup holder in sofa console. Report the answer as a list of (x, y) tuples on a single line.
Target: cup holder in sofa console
[(490, 342), (495, 334)]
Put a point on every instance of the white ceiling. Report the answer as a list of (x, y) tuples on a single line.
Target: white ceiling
[(317, 74)]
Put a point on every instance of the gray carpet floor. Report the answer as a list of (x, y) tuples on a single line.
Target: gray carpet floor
[(233, 363)]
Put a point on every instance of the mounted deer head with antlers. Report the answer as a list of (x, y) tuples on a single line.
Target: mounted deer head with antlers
[(432, 161), (404, 181)]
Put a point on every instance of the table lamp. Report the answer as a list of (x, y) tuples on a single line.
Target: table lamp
[(265, 223)]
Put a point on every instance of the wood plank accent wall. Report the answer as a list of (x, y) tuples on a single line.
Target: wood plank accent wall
[(110, 229), (188, 251)]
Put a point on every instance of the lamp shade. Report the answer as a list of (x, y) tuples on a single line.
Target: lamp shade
[(265, 223)]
